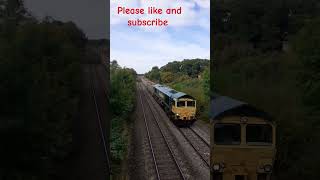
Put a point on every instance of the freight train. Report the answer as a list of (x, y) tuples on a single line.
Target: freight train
[(180, 107), (243, 141)]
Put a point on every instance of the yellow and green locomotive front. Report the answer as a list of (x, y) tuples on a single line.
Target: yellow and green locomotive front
[(243, 141), (243, 148), (180, 107), (184, 109)]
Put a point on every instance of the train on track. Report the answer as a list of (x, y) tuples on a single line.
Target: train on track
[(243, 141), (180, 107)]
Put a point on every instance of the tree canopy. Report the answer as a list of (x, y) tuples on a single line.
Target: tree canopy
[(189, 67), (266, 53), (39, 92), (122, 102)]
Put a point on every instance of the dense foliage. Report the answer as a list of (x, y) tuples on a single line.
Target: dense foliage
[(188, 76), (39, 77), (122, 100), (267, 53)]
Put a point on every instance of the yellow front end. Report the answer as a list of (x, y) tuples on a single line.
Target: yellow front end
[(242, 163), (242, 160), (184, 109)]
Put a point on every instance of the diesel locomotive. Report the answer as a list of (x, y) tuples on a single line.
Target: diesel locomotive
[(243, 141), (180, 107)]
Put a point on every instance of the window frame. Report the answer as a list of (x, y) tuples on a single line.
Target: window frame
[(181, 101), (225, 144), (192, 101), (259, 143)]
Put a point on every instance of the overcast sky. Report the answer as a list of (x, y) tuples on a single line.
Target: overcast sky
[(186, 37), (92, 16)]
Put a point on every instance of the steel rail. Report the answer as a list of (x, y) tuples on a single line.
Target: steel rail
[(171, 152), (149, 138), (105, 91), (99, 122), (165, 139), (200, 137), (201, 156)]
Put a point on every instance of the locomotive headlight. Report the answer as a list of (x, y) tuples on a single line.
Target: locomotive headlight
[(216, 167), (177, 114), (267, 168)]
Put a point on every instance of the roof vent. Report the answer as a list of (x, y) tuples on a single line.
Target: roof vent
[(173, 91)]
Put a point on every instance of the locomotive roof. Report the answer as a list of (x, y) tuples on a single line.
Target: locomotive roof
[(171, 92), (222, 106)]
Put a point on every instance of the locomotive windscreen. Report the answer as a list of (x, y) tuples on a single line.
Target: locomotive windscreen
[(191, 103), (227, 134), (259, 134)]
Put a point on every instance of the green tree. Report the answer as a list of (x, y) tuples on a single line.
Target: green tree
[(307, 46), (39, 91), (122, 101), (154, 74), (206, 82), (114, 65), (167, 77)]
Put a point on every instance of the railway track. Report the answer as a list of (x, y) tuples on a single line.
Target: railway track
[(99, 76), (197, 142), (164, 160), (98, 114), (202, 138)]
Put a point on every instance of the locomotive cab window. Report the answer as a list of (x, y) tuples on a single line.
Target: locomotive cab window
[(181, 104), (259, 134), (191, 103), (227, 134)]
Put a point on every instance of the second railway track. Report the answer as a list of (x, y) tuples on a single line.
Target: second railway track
[(197, 143)]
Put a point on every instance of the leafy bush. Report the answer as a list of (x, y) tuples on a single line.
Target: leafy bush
[(123, 88)]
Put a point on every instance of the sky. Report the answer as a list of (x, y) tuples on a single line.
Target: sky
[(141, 48), (91, 16)]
